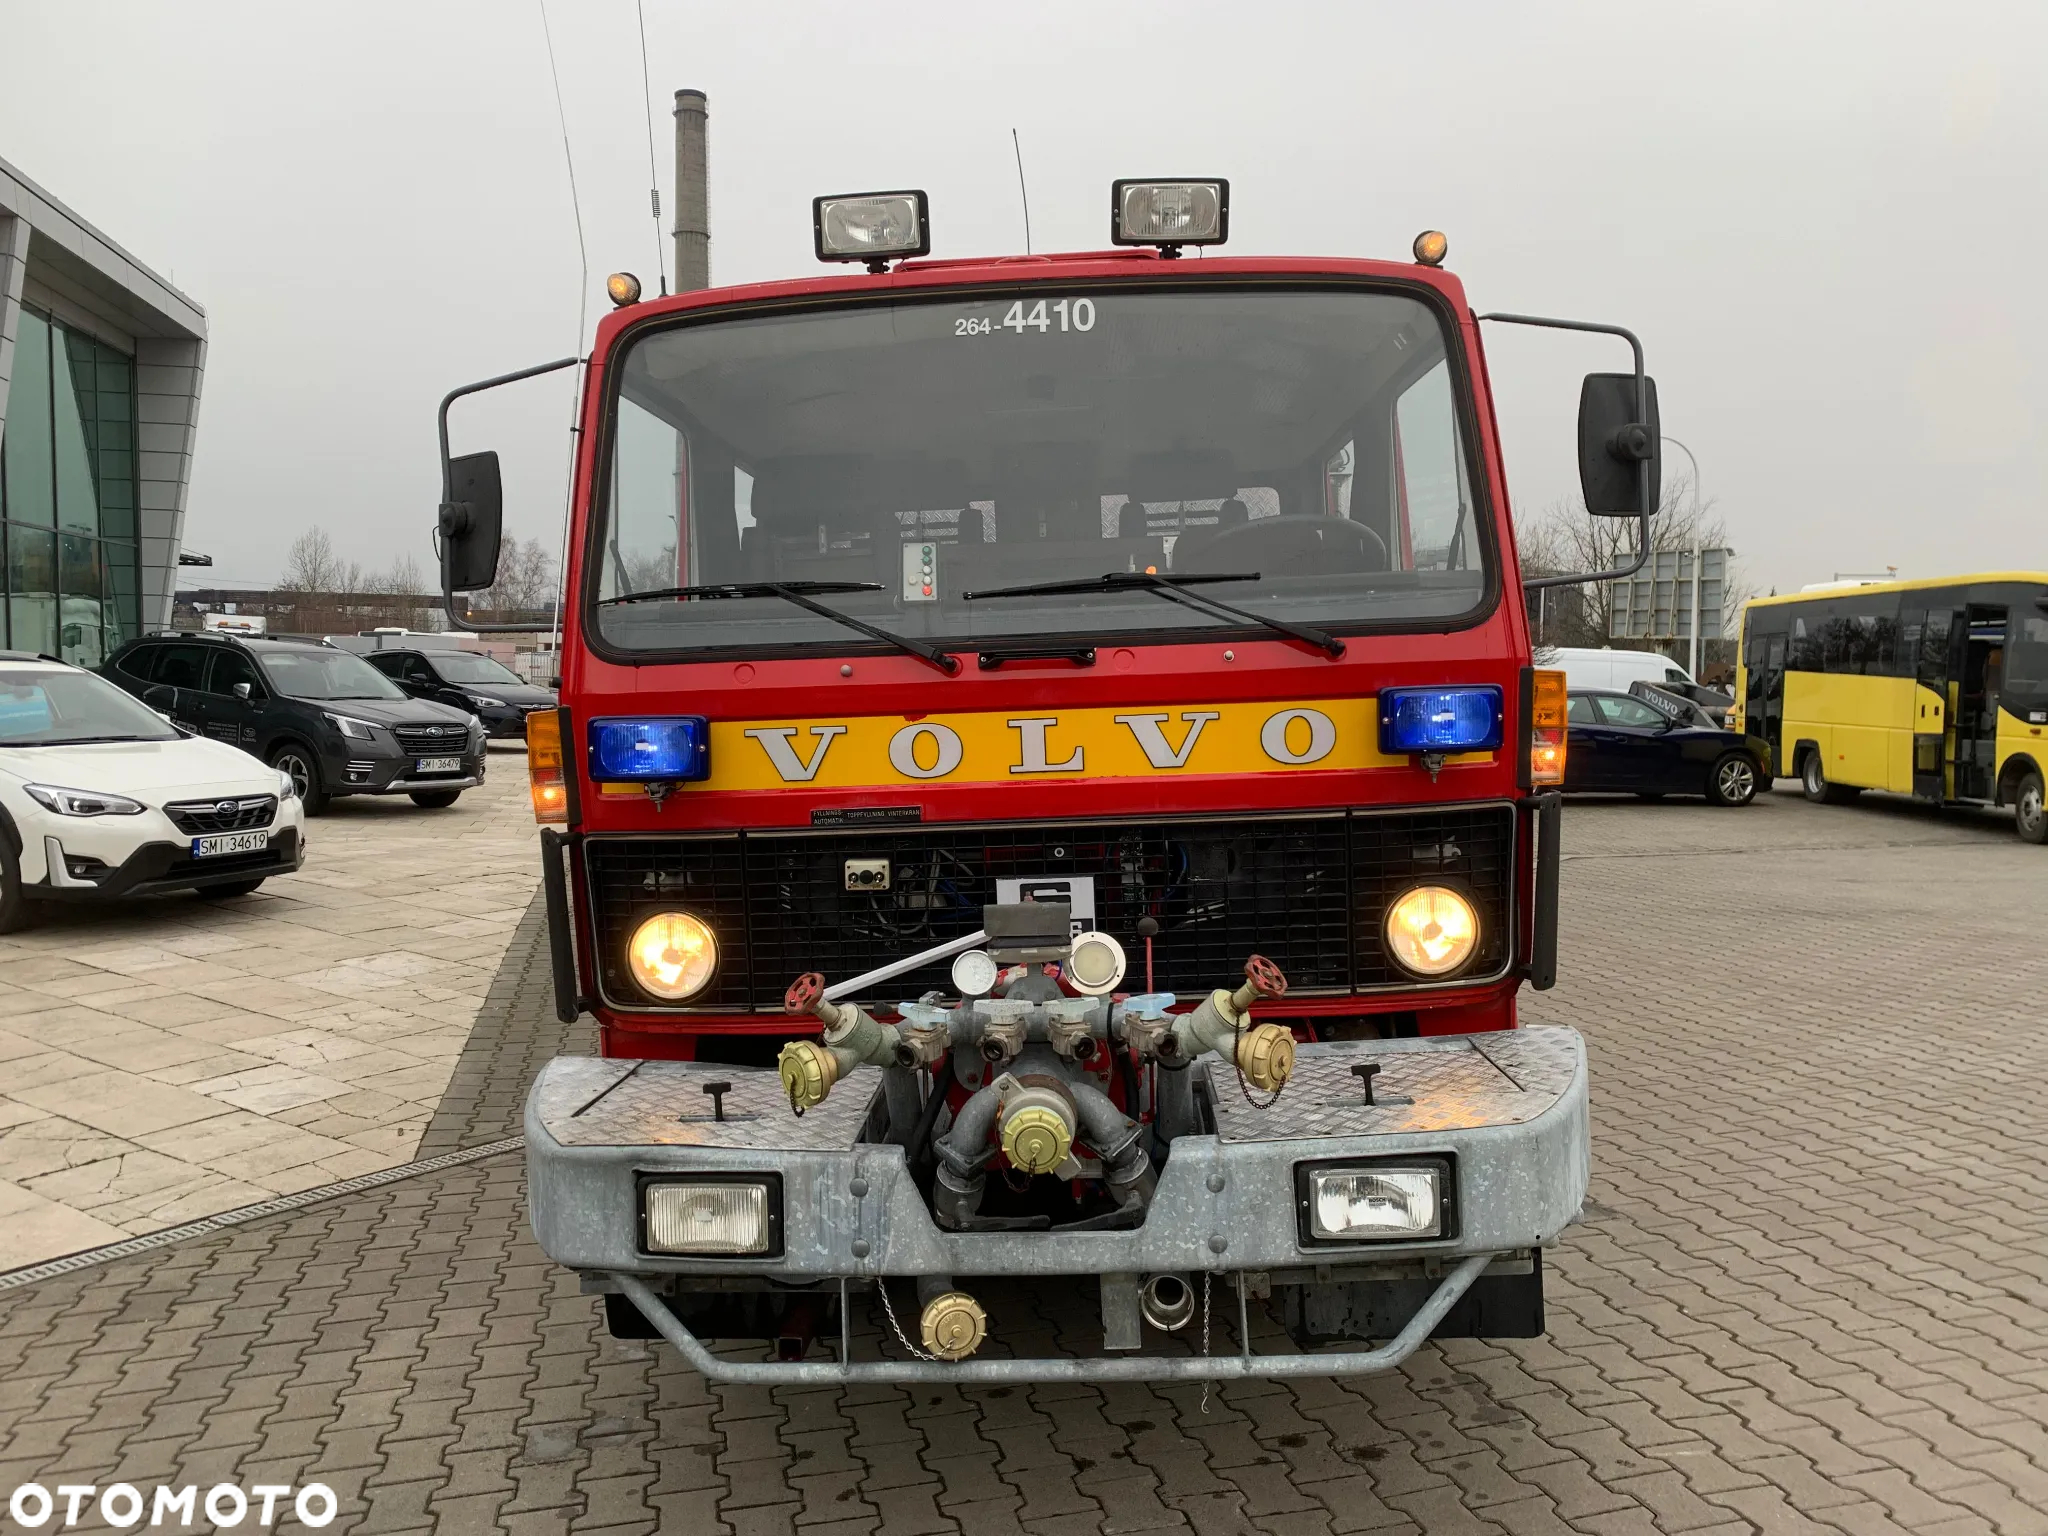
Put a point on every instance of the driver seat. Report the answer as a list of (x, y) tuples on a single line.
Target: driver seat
[(1190, 549)]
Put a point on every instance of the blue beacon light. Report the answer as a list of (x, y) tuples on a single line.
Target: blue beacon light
[(1436, 722), (666, 749)]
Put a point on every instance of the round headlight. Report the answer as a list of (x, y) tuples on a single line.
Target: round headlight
[(1432, 930), (672, 955)]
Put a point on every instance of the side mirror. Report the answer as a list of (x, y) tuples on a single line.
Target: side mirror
[(160, 697), (242, 692), (472, 523), (1614, 441)]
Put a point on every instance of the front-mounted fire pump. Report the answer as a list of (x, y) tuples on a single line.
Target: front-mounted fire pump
[(1025, 1074)]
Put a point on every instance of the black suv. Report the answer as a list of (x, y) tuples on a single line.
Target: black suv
[(488, 689), (332, 721)]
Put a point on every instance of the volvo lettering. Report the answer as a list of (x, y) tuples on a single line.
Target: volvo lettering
[(1050, 784)]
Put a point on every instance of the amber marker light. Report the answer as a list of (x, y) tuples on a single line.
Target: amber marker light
[(1547, 728), (624, 289), (1432, 930), (544, 766), (1431, 247), (672, 955)]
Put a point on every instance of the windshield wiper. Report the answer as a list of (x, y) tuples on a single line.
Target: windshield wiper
[(1169, 587), (800, 592)]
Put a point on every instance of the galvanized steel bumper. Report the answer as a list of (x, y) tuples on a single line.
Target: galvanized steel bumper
[(1509, 1109)]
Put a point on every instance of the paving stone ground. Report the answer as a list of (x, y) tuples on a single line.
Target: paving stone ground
[(169, 1058), (1811, 1294), (515, 1034)]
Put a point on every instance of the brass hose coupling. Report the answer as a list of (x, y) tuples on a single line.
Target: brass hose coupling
[(1038, 1120), (953, 1325), (1266, 1057), (808, 1072)]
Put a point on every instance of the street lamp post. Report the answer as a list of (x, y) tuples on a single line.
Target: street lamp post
[(1693, 655)]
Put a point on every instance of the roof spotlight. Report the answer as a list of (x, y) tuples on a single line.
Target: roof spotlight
[(624, 289), (1169, 214), (874, 227), (1431, 247)]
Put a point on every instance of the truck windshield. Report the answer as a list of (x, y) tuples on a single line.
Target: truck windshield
[(1306, 442)]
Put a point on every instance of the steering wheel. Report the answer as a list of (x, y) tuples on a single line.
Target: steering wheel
[(1354, 539)]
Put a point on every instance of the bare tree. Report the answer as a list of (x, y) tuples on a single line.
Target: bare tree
[(402, 578), (311, 565), (1563, 537), (646, 571), (526, 579)]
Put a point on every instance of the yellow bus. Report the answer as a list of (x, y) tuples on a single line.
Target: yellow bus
[(1935, 689)]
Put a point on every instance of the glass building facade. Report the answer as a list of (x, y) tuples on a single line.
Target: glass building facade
[(69, 560)]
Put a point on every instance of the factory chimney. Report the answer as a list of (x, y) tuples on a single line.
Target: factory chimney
[(693, 213)]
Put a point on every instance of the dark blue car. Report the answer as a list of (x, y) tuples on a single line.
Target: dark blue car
[(1652, 743)]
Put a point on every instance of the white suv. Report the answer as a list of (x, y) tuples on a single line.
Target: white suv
[(102, 797)]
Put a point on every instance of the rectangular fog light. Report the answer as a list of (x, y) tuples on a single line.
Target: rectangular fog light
[(708, 1218), (871, 226), (1169, 213), (1375, 1204)]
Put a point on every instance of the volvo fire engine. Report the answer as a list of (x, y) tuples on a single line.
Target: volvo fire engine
[(1050, 784)]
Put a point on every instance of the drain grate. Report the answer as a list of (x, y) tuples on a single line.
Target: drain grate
[(50, 1269)]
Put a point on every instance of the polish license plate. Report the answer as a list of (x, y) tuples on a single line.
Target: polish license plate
[(439, 765), (230, 842)]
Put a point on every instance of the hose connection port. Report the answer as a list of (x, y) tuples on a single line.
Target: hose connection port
[(1167, 1301), (808, 1072), (952, 1325), (1037, 1126)]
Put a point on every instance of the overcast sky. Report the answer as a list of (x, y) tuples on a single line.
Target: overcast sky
[(1825, 221)]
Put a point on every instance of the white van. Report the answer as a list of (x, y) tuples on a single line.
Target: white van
[(1610, 670)]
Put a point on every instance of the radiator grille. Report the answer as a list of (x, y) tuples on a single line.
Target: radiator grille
[(432, 740), (1218, 889), (200, 817), (1309, 892)]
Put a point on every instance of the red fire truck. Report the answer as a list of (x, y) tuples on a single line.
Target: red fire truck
[(1050, 784)]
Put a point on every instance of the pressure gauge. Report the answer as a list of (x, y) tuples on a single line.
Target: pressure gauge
[(974, 973)]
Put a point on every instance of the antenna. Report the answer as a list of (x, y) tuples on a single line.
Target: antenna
[(582, 304), (1022, 191), (568, 159), (653, 176)]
